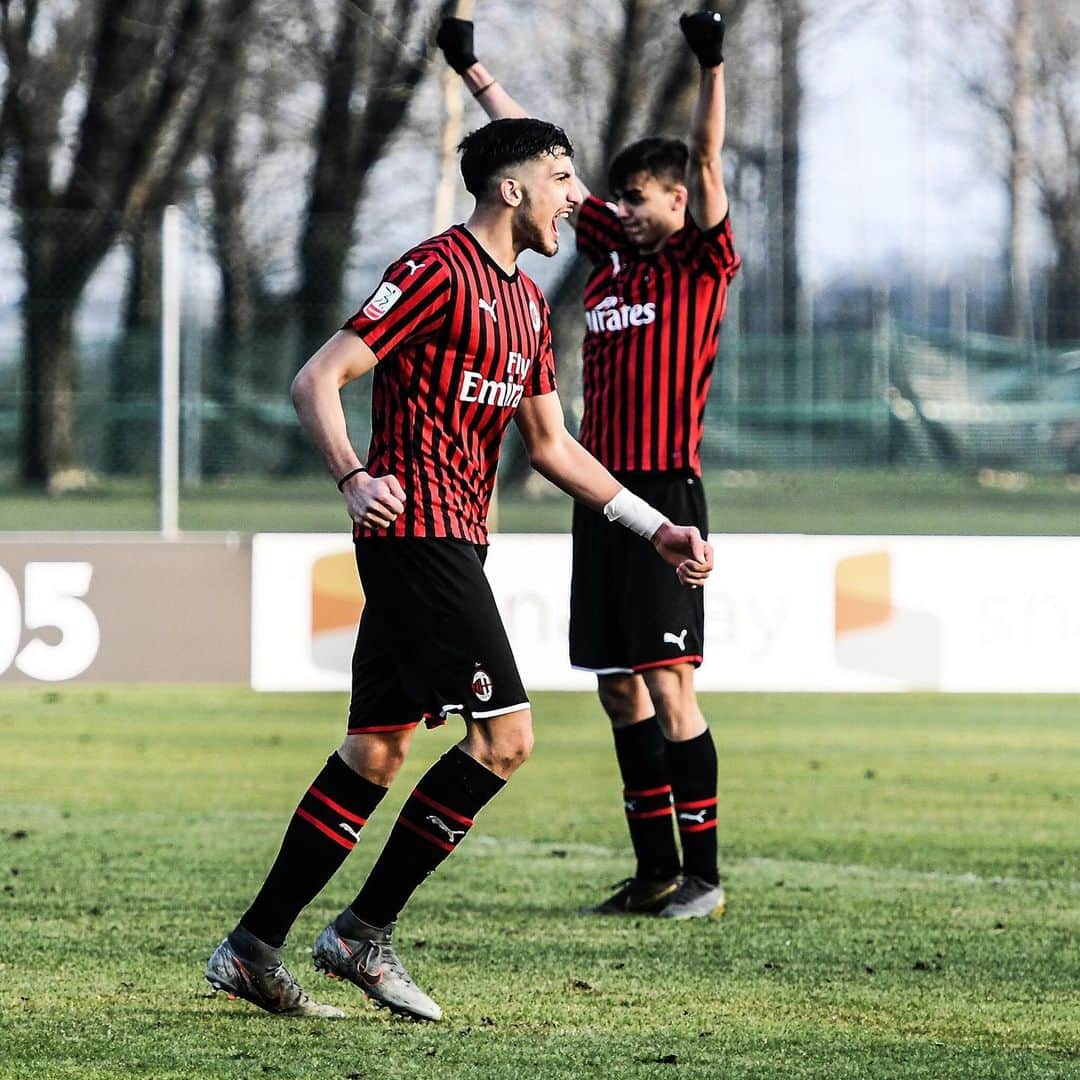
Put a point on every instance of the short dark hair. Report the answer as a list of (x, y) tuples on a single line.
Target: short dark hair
[(663, 158), (489, 150)]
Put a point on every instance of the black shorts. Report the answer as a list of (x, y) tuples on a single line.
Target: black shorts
[(628, 611), (431, 640)]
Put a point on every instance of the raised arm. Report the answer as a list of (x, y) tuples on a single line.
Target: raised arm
[(556, 455), (456, 39), (704, 32)]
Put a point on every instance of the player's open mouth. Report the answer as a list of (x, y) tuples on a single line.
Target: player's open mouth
[(555, 221)]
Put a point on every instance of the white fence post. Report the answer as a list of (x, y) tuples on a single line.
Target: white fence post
[(170, 373)]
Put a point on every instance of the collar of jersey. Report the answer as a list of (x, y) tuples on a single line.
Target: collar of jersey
[(486, 255)]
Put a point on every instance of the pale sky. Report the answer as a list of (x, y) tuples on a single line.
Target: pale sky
[(890, 167)]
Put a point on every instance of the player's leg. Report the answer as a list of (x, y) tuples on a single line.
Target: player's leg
[(601, 601), (691, 758), (640, 749), (324, 828), (435, 819), (470, 670)]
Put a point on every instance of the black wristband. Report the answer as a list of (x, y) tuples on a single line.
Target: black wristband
[(477, 93), (349, 475)]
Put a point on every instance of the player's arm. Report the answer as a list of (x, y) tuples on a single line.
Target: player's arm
[(708, 203), (456, 39), (316, 396), (556, 455)]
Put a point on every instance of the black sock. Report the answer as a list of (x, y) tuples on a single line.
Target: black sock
[(324, 829), (432, 823), (693, 782), (642, 754)]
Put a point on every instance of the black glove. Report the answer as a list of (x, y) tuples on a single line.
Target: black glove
[(455, 38), (704, 32)]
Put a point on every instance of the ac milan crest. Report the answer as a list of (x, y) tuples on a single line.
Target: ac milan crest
[(482, 687)]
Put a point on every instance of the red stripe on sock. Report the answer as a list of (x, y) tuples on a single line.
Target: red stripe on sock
[(459, 818), (698, 826), (343, 841), (425, 834), (347, 814), (665, 790), (664, 811), (696, 805)]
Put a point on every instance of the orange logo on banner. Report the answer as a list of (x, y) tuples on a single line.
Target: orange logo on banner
[(877, 636), (336, 596), (863, 592)]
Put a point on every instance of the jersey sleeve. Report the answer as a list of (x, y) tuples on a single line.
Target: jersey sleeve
[(712, 251), (542, 376), (411, 304), (598, 230)]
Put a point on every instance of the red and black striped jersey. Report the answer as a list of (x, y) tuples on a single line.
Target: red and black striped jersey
[(460, 342), (652, 326)]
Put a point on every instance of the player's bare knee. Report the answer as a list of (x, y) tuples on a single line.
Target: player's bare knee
[(377, 756), (502, 745), (512, 748), (622, 698)]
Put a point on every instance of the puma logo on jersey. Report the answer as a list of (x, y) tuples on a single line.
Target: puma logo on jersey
[(675, 639), (450, 834), (617, 266), (698, 818), (629, 805), (354, 833), (608, 317), (489, 308), (414, 266)]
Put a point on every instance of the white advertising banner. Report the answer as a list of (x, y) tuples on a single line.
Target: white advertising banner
[(829, 613)]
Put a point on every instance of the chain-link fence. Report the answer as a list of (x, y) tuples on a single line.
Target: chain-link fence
[(867, 388)]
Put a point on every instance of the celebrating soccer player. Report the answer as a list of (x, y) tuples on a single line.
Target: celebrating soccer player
[(458, 340), (662, 260)]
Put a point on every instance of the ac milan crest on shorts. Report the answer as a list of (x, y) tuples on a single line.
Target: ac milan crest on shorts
[(431, 640), (628, 611)]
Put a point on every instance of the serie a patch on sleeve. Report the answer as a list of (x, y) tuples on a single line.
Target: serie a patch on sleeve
[(384, 298)]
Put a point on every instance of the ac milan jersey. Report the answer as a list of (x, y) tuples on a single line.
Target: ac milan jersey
[(652, 325), (460, 342)]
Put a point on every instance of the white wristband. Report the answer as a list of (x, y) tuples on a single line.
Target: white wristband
[(634, 513)]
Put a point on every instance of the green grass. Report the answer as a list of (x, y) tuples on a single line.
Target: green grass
[(903, 878), (858, 502)]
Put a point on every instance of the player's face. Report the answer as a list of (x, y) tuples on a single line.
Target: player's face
[(650, 210), (550, 193)]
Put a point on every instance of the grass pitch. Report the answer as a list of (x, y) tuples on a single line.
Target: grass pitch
[(903, 875)]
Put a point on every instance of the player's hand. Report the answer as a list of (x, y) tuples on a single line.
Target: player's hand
[(374, 500), (455, 38), (683, 547), (704, 33)]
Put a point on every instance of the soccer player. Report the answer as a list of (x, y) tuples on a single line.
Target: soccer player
[(662, 258), (458, 341)]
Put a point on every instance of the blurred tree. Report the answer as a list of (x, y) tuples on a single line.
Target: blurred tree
[(791, 20), (1056, 157), (142, 71), (1019, 63), (990, 46), (135, 366)]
